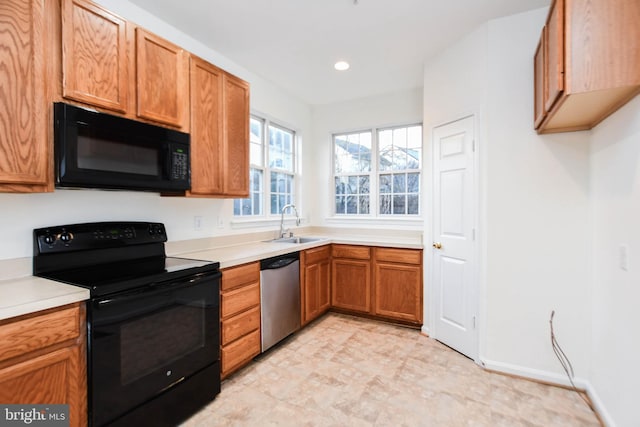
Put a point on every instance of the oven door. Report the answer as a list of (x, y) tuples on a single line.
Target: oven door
[(142, 343)]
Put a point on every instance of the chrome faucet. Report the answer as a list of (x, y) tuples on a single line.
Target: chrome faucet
[(282, 230)]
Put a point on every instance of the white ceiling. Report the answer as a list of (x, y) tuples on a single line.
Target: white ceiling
[(294, 43)]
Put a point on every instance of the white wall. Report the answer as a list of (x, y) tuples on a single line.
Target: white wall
[(399, 108), (534, 199), (615, 179), (21, 213)]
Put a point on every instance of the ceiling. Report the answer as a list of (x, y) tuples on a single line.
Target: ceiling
[(294, 43)]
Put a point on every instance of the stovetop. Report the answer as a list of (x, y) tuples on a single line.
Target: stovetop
[(110, 257)]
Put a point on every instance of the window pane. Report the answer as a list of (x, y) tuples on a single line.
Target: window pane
[(399, 183), (352, 204), (352, 152), (364, 184), (413, 205), (385, 205), (236, 207), (413, 183), (399, 204), (274, 204), (280, 148), (385, 184), (364, 204), (340, 204)]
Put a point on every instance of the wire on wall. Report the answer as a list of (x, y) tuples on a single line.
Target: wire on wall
[(566, 364)]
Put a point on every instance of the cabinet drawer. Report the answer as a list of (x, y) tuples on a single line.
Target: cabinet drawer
[(237, 326), (242, 275), (34, 333), (240, 351), (238, 300), (405, 256), (316, 254), (351, 251)]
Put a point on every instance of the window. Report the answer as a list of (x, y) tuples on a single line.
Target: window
[(275, 162), (377, 172)]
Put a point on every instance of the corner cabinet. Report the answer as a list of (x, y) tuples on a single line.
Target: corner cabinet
[(25, 122), (587, 64), (351, 278), (239, 316), (315, 280), (219, 132), (43, 360)]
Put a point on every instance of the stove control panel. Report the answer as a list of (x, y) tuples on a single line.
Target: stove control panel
[(96, 235)]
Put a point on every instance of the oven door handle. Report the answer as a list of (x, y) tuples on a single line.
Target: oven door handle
[(158, 288)]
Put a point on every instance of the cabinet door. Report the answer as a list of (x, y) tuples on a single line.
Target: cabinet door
[(95, 63), (206, 128), (24, 120), (54, 378), (398, 291), (311, 292), (351, 284), (324, 288), (162, 81), (554, 54), (236, 136), (539, 81)]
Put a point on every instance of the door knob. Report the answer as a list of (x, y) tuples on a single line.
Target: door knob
[(437, 245)]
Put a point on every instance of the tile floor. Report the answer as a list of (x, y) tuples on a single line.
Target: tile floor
[(347, 371)]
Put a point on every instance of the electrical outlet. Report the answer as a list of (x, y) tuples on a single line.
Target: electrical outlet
[(623, 252), (197, 222), (220, 222)]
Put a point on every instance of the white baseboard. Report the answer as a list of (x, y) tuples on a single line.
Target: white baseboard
[(552, 378)]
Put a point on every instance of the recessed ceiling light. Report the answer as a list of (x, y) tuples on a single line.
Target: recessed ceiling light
[(341, 65)]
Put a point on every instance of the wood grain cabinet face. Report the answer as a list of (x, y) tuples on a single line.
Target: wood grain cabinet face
[(206, 128), (24, 119), (162, 82), (315, 280), (236, 136), (43, 361), (351, 278), (95, 61), (240, 316), (590, 63), (398, 284)]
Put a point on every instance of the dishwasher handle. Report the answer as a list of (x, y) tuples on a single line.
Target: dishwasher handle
[(279, 261)]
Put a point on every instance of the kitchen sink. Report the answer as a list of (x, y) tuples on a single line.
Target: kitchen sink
[(298, 239)]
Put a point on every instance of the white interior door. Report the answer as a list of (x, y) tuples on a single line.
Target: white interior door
[(454, 278)]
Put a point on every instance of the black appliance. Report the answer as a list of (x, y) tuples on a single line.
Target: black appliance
[(153, 321), (98, 150)]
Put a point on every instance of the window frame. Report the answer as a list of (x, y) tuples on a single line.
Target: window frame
[(375, 173), (266, 122)]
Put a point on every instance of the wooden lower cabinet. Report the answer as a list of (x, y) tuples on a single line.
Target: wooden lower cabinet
[(315, 279), (398, 284), (43, 360), (380, 282), (240, 316), (351, 278)]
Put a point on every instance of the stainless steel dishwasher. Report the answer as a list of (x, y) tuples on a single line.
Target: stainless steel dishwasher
[(279, 298)]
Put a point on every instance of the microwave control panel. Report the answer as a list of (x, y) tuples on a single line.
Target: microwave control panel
[(179, 166)]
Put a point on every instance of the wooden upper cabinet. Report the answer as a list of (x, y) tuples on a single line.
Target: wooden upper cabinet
[(25, 121), (162, 81), (539, 81), (591, 62), (236, 136), (206, 128), (554, 54), (95, 61)]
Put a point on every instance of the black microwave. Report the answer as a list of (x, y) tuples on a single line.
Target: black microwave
[(99, 150)]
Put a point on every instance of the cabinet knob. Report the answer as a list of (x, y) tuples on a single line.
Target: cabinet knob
[(437, 245)]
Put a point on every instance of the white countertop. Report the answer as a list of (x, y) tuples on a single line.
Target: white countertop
[(28, 294)]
